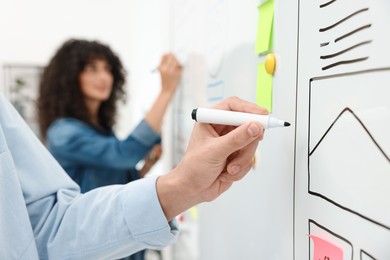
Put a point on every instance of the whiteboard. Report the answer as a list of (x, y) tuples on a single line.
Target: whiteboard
[(343, 121), (328, 174), (216, 42)]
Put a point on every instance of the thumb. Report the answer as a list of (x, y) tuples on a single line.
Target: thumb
[(239, 138)]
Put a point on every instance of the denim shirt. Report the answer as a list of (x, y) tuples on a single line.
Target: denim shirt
[(43, 215), (93, 157)]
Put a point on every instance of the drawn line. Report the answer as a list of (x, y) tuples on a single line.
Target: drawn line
[(297, 53), (343, 62), (328, 3), (358, 72), (353, 32), (343, 20), (367, 254), (215, 84), (344, 51), (347, 209), (213, 99), (324, 44), (347, 109)]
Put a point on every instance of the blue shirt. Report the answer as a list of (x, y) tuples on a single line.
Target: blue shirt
[(94, 157), (43, 215)]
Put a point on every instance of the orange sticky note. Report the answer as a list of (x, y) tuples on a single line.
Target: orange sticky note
[(324, 250)]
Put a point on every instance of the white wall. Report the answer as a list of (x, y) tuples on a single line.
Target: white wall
[(32, 30)]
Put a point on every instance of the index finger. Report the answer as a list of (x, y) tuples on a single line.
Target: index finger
[(240, 105)]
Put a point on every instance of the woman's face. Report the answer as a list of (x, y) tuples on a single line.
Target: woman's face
[(96, 80)]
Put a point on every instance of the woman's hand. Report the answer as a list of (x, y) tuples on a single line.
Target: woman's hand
[(150, 160), (170, 71)]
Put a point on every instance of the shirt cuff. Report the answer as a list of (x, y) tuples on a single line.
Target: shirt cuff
[(144, 216), (145, 134)]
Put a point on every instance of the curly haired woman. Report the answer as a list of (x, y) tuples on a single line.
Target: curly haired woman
[(77, 106)]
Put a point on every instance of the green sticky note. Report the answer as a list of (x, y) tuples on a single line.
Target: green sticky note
[(264, 27), (263, 87), (271, 38)]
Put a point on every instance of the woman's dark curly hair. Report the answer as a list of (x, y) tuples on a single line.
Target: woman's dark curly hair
[(60, 93)]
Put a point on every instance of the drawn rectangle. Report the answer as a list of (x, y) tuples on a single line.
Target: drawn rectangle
[(332, 237), (349, 124)]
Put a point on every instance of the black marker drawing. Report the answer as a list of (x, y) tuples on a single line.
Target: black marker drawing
[(348, 110), (343, 20)]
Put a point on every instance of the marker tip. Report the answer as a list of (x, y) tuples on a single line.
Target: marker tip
[(287, 124)]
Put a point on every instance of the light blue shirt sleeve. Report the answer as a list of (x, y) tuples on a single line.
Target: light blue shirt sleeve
[(44, 216)]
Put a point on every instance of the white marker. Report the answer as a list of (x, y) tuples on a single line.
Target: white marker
[(225, 117)]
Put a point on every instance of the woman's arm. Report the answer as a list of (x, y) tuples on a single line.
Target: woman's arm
[(72, 141), (170, 71)]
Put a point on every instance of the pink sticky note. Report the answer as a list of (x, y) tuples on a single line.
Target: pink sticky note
[(323, 250)]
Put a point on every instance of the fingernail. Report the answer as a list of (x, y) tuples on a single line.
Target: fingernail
[(253, 130), (234, 169)]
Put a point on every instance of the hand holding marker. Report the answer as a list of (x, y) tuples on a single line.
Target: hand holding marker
[(224, 117)]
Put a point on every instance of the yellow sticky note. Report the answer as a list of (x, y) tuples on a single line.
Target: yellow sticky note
[(264, 87), (264, 27)]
